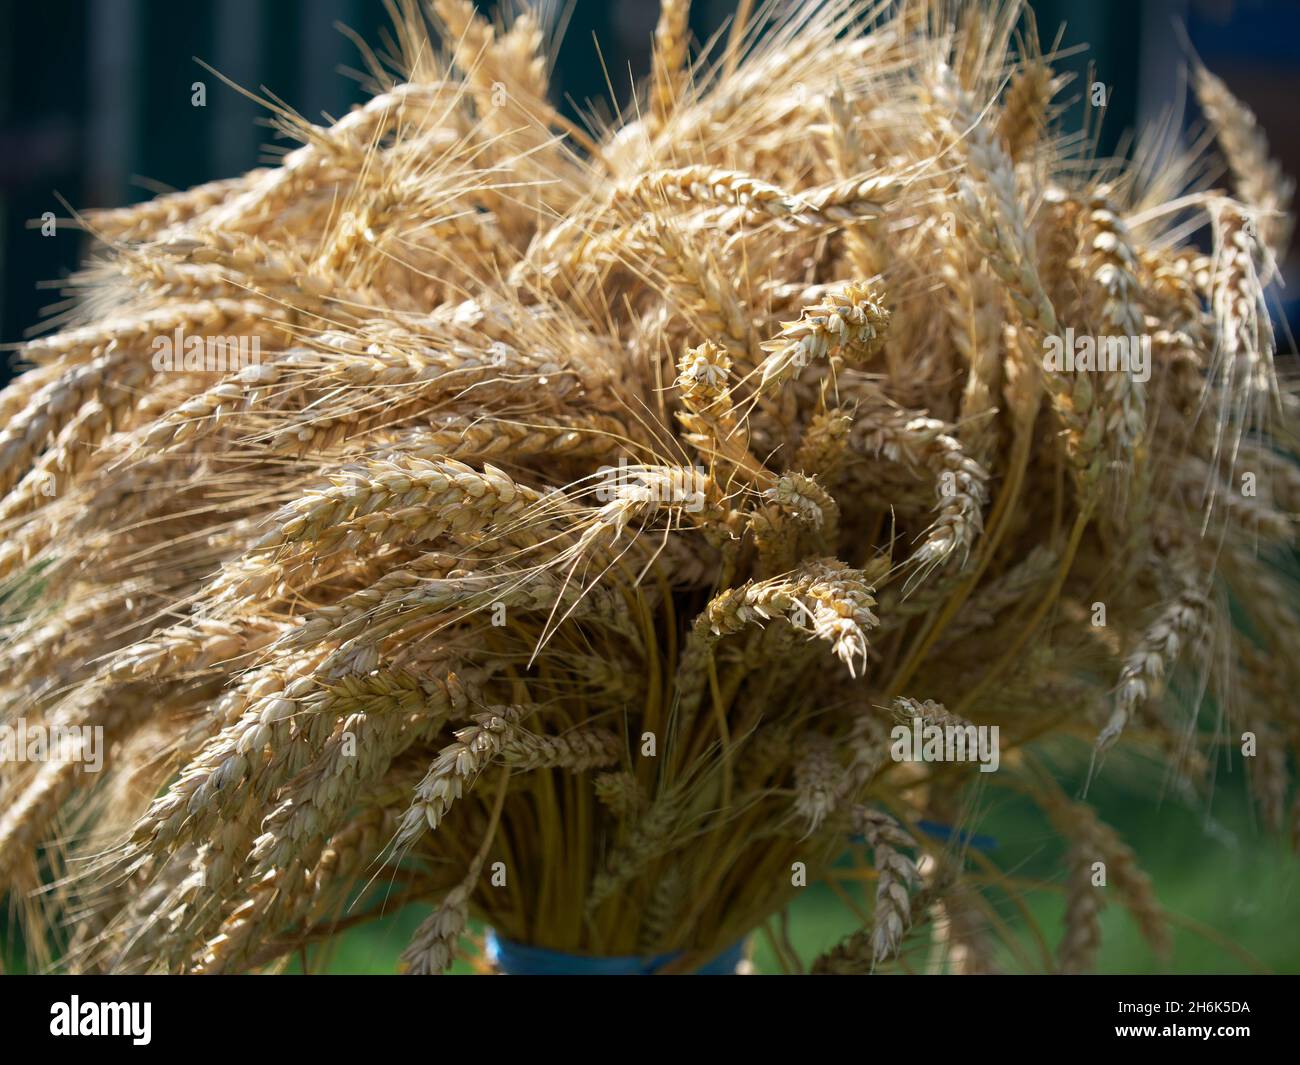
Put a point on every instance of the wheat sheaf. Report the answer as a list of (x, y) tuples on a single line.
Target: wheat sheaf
[(603, 495)]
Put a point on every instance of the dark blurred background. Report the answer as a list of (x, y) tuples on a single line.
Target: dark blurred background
[(95, 94)]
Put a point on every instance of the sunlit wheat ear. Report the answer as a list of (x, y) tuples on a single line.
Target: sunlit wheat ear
[(1261, 182)]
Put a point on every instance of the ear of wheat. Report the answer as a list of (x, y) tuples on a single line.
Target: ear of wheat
[(596, 494)]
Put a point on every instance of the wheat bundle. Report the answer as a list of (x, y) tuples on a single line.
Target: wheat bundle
[(592, 506)]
